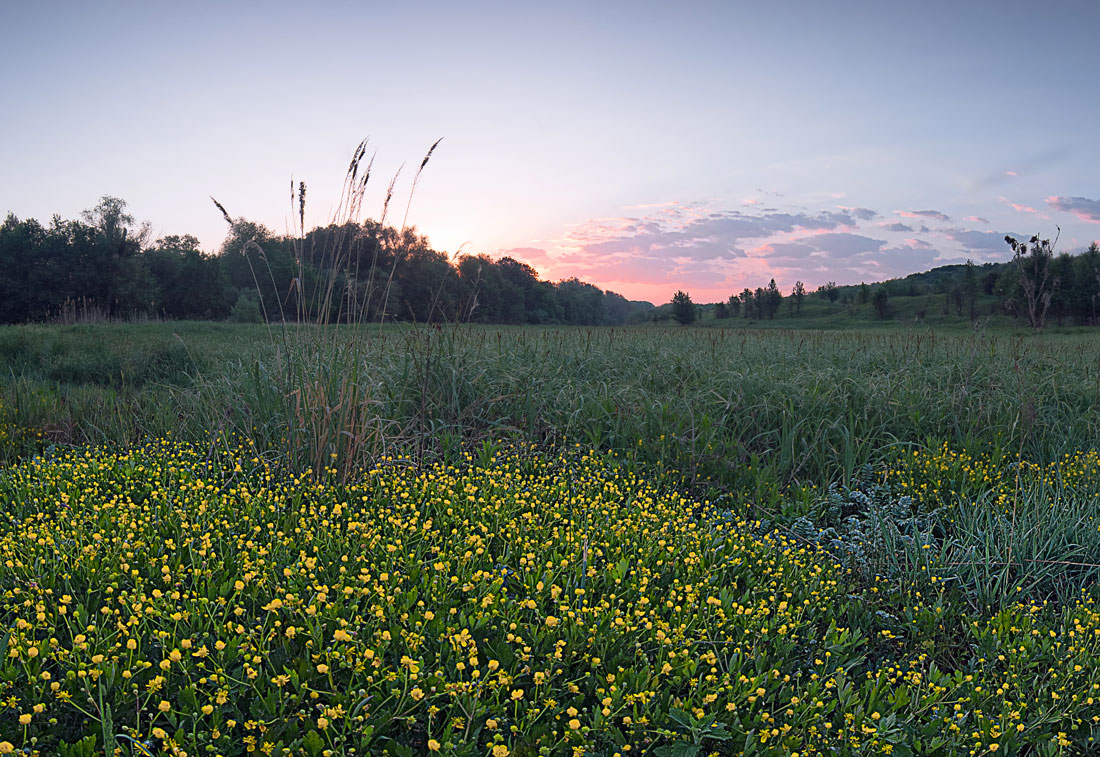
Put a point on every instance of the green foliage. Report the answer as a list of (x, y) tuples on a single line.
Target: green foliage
[(733, 305), (881, 302), (474, 607), (246, 310), (344, 272), (795, 406), (683, 309)]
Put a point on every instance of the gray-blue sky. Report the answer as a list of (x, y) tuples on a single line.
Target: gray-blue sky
[(643, 146)]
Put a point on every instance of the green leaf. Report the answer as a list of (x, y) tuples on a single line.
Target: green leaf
[(313, 743), (683, 718), (678, 749)]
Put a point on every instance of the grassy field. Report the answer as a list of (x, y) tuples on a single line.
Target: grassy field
[(223, 539), (795, 406)]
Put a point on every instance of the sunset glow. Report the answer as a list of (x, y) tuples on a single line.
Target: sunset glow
[(644, 148)]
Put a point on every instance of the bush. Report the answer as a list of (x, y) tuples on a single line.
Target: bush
[(246, 310)]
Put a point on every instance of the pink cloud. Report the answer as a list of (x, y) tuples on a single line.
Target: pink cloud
[(976, 219), (535, 256), (1082, 207), (933, 214), (917, 244), (714, 252), (1017, 206)]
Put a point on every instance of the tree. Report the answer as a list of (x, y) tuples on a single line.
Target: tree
[(733, 305), (109, 216), (880, 300), (190, 284), (829, 291), (798, 294), (721, 312), (1087, 275), (683, 309), (773, 298), (970, 288), (1033, 262), (748, 304), (864, 295)]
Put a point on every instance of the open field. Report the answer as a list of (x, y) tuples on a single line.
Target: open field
[(219, 539), (796, 406)]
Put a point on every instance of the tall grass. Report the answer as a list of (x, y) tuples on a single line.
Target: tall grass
[(315, 394), (741, 409)]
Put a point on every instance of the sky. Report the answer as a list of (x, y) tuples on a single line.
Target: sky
[(642, 147)]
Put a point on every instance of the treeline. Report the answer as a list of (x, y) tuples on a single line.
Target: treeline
[(1036, 286), (107, 265)]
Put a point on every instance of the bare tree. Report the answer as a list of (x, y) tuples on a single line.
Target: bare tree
[(1033, 261)]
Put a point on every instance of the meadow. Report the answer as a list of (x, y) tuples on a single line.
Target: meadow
[(225, 539)]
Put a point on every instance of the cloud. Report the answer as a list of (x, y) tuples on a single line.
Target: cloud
[(532, 255), (690, 235), (788, 253), (843, 245), (979, 241), (1017, 206), (892, 262), (1082, 207), (933, 214), (863, 214), (976, 219), (711, 251)]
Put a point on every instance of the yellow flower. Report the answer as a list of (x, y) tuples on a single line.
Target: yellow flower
[(164, 706), (574, 725), (500, 751), (551, 621), (433, 745), (322, 668), (6, 747), (517, 694), (341, 635), (322, 723), (25, 719)]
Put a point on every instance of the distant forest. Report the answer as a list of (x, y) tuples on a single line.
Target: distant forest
[(1036, 286), (106, 265)]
